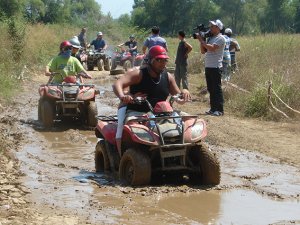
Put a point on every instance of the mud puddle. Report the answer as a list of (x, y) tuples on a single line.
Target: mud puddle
[(59, 170)]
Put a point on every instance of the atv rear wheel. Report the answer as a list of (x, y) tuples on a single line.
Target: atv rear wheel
[(107, 64), (100, 64), (101, 157), (92, 112), (127, 65), (135, 168), (116, 72), (47, 113), (206, 164)]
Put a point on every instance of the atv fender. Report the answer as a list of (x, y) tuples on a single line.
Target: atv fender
[(108, 131), (194, 130)]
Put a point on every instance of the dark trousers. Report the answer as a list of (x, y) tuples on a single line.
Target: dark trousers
[(214, 87)]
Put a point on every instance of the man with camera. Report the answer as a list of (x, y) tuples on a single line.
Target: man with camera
[(213, 48)]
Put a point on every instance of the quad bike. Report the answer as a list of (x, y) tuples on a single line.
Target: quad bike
[(98, 58), (155, 144), (71, 99), (124, 59)]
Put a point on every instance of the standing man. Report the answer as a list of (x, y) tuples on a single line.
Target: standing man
[(184, 48), (234, 47), (82, 38), (154, 39), (213, 49), (98, 43)]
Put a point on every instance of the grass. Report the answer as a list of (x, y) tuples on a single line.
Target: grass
[(262, 58)]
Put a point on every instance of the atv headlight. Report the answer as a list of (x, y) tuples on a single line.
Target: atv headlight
[(197, 130), (142, 134)]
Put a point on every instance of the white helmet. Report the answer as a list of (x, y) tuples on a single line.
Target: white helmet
[(228, 31), (75, 42), (99, 33)]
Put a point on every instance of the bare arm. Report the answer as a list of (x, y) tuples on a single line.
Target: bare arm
[(144, 49), (174, 89), (189, 48), (130, 78)]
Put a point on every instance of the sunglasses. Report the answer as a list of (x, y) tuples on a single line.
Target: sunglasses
[(161, 60), (68, 48)]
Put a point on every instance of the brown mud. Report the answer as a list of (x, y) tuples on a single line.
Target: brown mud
[(48, 176)]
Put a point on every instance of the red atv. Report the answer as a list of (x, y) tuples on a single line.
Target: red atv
[(155, 144), (124, 59), (71, 99)]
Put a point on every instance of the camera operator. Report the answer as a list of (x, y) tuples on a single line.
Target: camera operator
[(213, 49)]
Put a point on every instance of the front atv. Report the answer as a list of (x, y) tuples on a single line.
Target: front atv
[(167, 143)]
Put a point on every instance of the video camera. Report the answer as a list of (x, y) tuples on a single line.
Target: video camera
[(202, 31)]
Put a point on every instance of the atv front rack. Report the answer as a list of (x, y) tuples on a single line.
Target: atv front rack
[(113, 118)]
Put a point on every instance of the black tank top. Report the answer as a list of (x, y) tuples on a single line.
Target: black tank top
[(156, 90)]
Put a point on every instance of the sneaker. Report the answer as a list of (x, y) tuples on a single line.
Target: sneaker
[(217, 113), (209, 112)]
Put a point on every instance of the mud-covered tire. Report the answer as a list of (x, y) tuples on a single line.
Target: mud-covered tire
[(127, 65), (107, 64), (207, 166), (100, 64), (47, 113), (117, 72), (101, 157), (135, 168), (92, 112), (39, 110), (114, 64), (90, 67)]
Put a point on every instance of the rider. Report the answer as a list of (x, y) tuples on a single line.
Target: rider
[(152, 81), (132, 46), (75, 47), (98, 43), (65, 64)]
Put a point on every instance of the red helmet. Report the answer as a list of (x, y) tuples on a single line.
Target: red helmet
[(158, 51), (65, 44)]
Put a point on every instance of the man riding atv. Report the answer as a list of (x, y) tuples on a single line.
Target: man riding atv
[(65, 64), (99, 43), (152, 81)]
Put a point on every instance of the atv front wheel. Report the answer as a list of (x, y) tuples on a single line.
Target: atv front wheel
[(114, 64), (47, 113), (207, 167), (107, 64), (127, 65), (135, 168), (92, 112), (100, 64), (101, 157)]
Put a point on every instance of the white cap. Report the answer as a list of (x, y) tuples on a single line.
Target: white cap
[(217, 23), (228, 31), (99, 33)]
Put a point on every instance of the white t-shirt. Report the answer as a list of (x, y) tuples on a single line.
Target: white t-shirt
[(213, 59)]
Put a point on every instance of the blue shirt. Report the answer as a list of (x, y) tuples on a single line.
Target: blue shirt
[(98, 43), (155, 40)]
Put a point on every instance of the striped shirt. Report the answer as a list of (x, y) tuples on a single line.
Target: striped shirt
[(213, 59)]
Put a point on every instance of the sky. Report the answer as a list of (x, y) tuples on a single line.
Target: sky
[(116, 7)]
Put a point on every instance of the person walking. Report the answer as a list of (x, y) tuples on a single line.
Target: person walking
[(154, 39), (82, 38), (226, 63), (234, 47), (213, 49), (184, 48)]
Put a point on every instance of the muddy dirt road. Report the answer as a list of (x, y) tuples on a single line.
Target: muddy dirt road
[(59, 185)]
